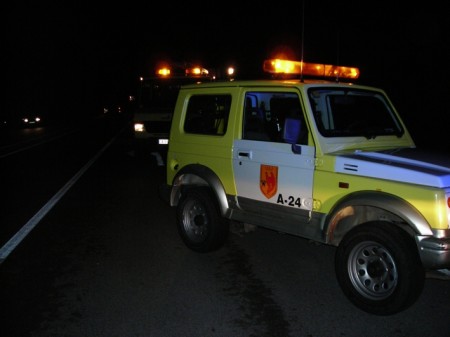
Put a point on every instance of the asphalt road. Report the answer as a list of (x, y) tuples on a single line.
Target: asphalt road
[(106, 261)]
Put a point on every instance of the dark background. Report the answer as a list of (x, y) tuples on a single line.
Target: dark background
[(72, 58)]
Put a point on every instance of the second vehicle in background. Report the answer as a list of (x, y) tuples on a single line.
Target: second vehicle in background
[(155, 104)]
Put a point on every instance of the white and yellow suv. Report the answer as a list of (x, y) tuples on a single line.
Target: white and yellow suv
[(324, 160)]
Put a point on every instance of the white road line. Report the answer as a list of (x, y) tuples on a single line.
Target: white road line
[(23, 232), (32, 145)]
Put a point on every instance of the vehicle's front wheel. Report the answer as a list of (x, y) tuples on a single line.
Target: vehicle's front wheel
[(200, 225), (379, 269)]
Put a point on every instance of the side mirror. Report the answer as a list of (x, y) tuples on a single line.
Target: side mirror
[(291, 133)]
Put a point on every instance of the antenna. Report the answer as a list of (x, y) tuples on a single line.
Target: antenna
[(337, 53), (338, 44), (303, 39)]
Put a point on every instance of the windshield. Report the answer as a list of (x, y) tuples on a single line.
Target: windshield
[(159, 94), (344, 112)]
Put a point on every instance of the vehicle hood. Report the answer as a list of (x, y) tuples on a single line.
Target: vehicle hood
[(405, 165)]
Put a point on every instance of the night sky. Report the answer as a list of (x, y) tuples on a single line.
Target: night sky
[(72, 57)]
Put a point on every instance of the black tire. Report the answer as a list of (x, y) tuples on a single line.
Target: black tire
[(379, 269), (199, 223)]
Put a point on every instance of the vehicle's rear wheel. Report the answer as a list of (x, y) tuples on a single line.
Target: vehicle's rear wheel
[(379, 269), (200, 225)]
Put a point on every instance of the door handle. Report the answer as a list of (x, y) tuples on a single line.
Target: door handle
[(245, 154)]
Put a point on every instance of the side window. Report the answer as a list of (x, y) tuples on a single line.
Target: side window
[(207, 114), (266, 112), (255, 127)]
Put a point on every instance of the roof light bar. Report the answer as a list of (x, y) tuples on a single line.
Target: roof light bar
[(279, 66), (163, 71), (190, 72), (196, 71)]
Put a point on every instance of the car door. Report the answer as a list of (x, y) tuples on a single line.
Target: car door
[(270, 177)]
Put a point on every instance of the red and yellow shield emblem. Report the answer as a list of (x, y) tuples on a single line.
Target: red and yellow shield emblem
[(268, 180)]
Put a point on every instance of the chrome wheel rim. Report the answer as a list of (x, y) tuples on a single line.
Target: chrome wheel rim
[(195, 221), (372, 270)]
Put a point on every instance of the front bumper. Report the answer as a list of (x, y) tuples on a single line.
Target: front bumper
[(434, 252)]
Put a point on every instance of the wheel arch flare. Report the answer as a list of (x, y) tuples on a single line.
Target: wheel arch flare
[(364, 206), (198, 175)]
